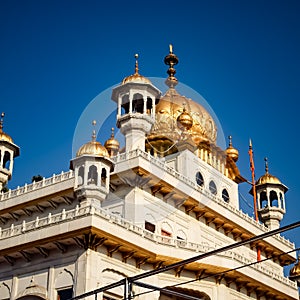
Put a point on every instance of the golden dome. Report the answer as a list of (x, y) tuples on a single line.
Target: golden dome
[(175, 113), (136, 77), (4, 136), (232, 152), (93, 147), (184, 120), (267, 178), (295, 270), (112, 145), (168, 110)]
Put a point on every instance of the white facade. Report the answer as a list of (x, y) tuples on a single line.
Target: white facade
[(67, 235)]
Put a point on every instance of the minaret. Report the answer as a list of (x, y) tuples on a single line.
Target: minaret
[(92, 167), (270, 199), (136, 97), (8, 151)]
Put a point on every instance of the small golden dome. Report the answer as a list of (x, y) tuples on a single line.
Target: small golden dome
[(295, 270), (4, 136), (232, 152), (112, 145), (93, 147), (268, 178), (136, 77), (184, 120)]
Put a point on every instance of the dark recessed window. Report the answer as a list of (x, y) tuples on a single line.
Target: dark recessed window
[(213, 188), (149, 226), (199, 179), (65, 294), (225, 195)]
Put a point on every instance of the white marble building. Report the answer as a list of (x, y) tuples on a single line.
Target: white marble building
[(171, 193)]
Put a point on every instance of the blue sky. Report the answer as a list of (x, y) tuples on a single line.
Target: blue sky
[(241, 56)]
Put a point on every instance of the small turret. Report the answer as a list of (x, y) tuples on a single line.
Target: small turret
[(270, 199), (136, 98), (8, 151), (92, 167)]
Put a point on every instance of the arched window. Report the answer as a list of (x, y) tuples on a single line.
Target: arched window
[(274, 199), (263, 199), (138, 103), (125, 105), (225, 195), (213, 187), (6, 160), (149, 106), (103, 177), (80, 176), (92, 175), (199, 179), (281, 201)]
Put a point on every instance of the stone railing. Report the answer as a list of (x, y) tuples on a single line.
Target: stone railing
[(155, 161), (164, 167), (36, 185), (79, 212)]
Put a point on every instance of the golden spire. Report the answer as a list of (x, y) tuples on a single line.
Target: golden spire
[(171, 60), (94, 131), (136, 56), (266, 165), (1, 121), (232, 152), (112, 145)]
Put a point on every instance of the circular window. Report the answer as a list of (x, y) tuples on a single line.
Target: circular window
[(199, 179), (213, 188), (225, 195)]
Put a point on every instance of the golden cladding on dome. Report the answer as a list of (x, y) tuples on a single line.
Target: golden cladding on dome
[(199, 122), (268, 179), (232, 152), (112, 145), (185, 121), (92, 148)]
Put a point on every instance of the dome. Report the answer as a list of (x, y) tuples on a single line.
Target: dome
[(232, 152), (136, 78), (170, 107), (5, 137), (92, 148), (184, 120), (295, 270), (268, 179), (112, 145)]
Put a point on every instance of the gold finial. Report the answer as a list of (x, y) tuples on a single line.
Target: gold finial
[(136, 56), (112, 132), (184, 104), (171, 60), (1, 121), (266, 165), (230, 140), (94, 131)]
